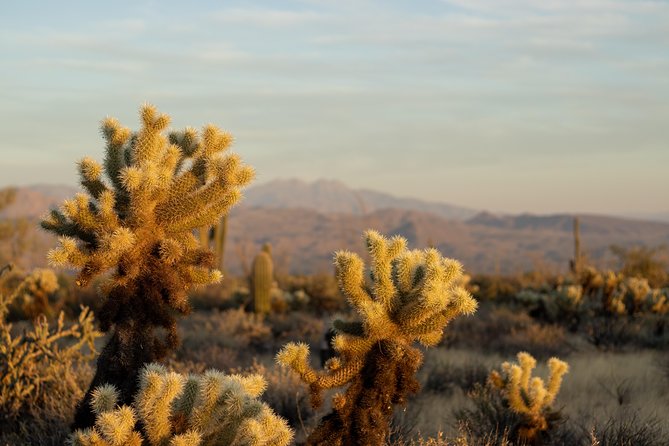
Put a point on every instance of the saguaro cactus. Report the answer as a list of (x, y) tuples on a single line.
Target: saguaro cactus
[(413, 295), (577, 261), (140, 225), (195, 410), (262, 277), (530, 397)]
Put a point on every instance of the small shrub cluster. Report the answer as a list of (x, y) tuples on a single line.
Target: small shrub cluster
[(610, 308), (42, 367), (504, 330)]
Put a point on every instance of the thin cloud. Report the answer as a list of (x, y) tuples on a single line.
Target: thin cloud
[(267, 17)]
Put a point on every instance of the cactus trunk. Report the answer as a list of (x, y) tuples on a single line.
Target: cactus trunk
[(577, 262), (363, 414)]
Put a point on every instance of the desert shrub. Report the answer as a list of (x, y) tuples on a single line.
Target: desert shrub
[(503, 330), (285, 394), (296, 327), (41, 370), (14, 232), (444, 377), (643, 262), (220, 296), (34, 295), (495, 287), (629, 430), (411, 297), (234, 329), (320, 293), (210, 409), (610, 308), (542, 340), (221, 358)]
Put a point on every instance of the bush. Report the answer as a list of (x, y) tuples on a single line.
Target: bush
[(41, 371)]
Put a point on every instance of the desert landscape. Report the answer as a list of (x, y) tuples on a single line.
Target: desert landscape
[(334, 223)]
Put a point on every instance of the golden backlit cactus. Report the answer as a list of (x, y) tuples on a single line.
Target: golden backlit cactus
[(530, 397), (412, 296), (137, 225), (159, 189), (176, 410), (620, 295)]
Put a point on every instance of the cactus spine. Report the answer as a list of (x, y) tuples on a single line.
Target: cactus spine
[(262, 276)]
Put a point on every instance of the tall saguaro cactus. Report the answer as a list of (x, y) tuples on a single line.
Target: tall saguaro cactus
[(577, 262), (139, 224), (262, 276), (413, 295)]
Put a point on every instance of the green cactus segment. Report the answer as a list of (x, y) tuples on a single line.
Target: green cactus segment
[(206, 410), (262, 277)]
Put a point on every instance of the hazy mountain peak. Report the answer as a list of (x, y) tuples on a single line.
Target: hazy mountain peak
[(333, 196)]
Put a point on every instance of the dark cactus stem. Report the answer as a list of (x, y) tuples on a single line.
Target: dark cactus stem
[(364, 413), (143, 330), (576, 263), (119, 364)]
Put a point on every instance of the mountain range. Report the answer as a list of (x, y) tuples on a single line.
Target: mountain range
[(307, 222)]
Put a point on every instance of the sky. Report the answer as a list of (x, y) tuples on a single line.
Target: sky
[(505, 105)]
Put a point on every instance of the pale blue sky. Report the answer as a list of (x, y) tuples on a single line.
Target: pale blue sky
[(507, 105)]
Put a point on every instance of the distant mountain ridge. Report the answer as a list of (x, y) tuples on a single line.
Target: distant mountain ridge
[(507, 245), (305, 228), (332, 196)]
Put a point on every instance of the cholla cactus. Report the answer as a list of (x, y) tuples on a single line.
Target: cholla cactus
[(140, 225), (34, 291), (412, 296), (620, 295), (210, 409), (530, 397)]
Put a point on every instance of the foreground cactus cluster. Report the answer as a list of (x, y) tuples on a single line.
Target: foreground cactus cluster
[(412, 296), (134, 229), (209, 409), (139, 223)]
